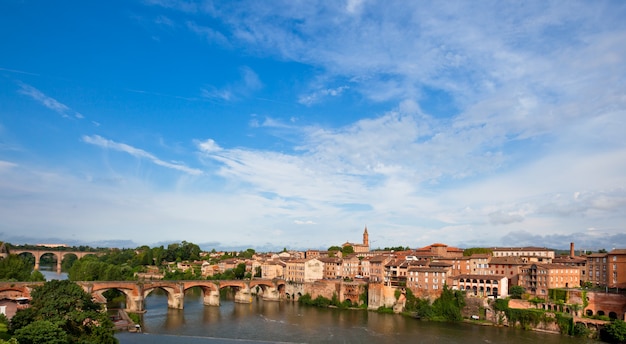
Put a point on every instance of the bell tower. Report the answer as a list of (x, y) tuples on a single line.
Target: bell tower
[(366, 237)]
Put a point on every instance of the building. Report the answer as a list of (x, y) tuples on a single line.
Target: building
[(596, 269), (616, 268), (528, 254), (481, 285), (438, 250), (538, 278), (360, 248), (427, 281), (304, 270), (332, 267)]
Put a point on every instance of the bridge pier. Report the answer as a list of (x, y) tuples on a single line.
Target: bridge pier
[(176, 300), (211, 298), (243, 295), (135, 304), (271, 294)]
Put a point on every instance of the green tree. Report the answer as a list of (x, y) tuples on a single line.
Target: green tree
[(516, 291), (41, 332), (66, 305), (448, 306), (240, 271), (614, 332), (15, 268), (476, 250), (348, 249)]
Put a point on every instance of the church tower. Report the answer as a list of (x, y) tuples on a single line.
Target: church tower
[(366, 237)]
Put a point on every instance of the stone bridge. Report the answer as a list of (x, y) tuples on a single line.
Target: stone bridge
[(38, 253), (137, 291)]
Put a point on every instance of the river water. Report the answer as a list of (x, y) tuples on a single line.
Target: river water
[(287, 322)]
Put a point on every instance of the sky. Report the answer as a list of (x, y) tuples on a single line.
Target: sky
[(296, 124)]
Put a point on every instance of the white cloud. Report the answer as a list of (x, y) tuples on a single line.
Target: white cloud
[(138, 153), (48, 102)]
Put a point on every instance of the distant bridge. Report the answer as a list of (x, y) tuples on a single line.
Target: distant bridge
[(137, 291), (38, 253)]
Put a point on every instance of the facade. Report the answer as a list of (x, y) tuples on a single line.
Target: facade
[(538, 278), (332, 267), (482, 285), (377, 267), (479, 264), (597, 269), (427, 281), (272, 269), (616, 268), (509, 266), (528, 254), (304, 270)]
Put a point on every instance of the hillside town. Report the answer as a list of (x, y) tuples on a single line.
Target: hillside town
[(426, 270)]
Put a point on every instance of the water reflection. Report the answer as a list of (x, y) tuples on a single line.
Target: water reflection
[(270, 321), (50, 273)]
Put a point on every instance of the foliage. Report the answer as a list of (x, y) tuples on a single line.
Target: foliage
[(348, 249), (385, 310), (476, 250), (501, 305), (10, 341), (396, 248), (614, 332), (557, 295), (334, 248), (581, 330), (448, 306), (536, 301), (41, 332), (397, 294), (566, 323), (240, 271), (68, 306), (527, 318), (18, 268), (516, 292), (91, 268)]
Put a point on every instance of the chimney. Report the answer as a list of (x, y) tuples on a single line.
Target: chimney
[(571, 250)]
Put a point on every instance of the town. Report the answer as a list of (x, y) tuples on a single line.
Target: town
[(591, 285)]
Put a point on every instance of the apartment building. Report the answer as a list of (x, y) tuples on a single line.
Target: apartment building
[(607, 269), (538, 278), (528, 254), (427, 281), (272, 269), (479, 264), (332, 267), (616, 268), (304, 270), (377, 267)]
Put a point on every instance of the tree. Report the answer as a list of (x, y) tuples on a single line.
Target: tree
[(15, 268), (516, 291), (41, 332), (67, 306), (348, 249), (240, 271), (615, 332)]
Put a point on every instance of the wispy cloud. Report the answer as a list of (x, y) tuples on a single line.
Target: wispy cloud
[(317, 96), (49, 102), (248, 83), (138, 153)]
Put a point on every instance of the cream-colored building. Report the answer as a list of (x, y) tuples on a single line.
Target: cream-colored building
[(304, 270), (528, 254)]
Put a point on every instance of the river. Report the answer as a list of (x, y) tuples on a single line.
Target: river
[(287, 322)]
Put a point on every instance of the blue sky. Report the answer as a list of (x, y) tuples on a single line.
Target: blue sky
[(296, 124)]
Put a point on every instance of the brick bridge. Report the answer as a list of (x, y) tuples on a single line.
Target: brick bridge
[(137, 291), (58, 254)]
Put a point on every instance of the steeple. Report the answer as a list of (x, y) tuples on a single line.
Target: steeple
[(366, 237)]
